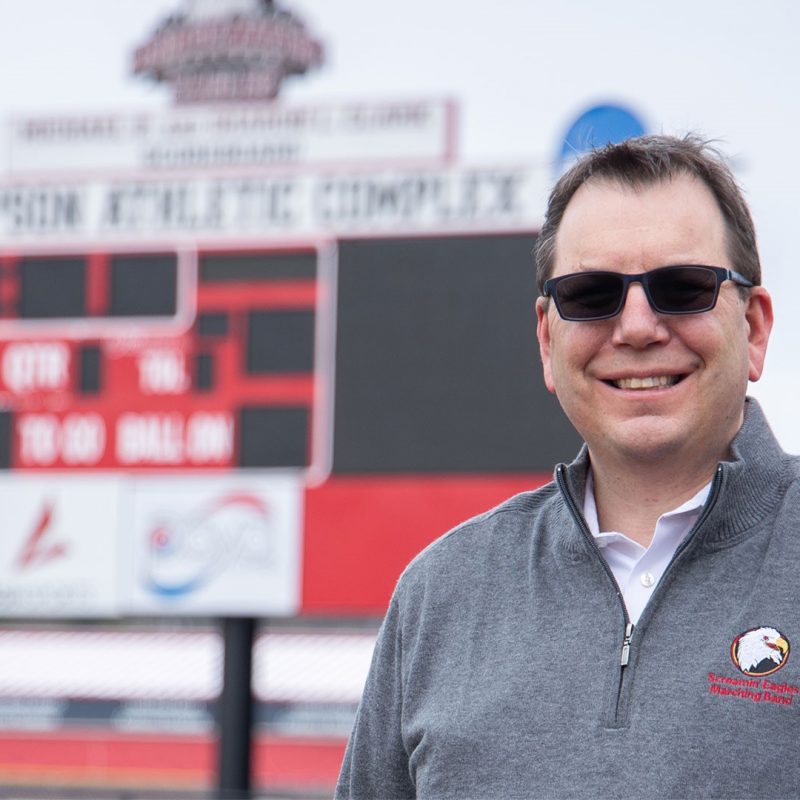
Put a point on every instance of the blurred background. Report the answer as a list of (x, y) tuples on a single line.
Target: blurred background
[(267, 330)]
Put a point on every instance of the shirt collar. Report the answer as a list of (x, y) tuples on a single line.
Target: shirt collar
[(693, 504), (750, 483)]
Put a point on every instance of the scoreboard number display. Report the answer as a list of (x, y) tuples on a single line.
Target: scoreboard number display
[(167, 359)]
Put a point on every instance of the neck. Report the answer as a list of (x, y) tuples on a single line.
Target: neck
[(631, 500)]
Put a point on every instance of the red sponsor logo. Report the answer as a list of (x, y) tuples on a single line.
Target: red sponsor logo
[(37, 549)]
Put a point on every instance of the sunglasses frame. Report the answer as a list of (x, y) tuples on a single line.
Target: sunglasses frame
[(722, 274)]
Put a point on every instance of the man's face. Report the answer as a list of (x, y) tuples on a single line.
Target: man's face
[(706, 358)]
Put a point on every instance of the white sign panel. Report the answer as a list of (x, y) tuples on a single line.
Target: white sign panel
[(203, 138), (222, 546), (266, 204), (58, 550)]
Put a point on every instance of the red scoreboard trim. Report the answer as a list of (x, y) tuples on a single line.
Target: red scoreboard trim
[(372, 526)]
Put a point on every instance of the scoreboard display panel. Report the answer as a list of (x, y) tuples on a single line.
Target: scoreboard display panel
[(162, 360), (123, 360)]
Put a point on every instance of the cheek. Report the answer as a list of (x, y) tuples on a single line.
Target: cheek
[(570, 353), (713, 337), (723, 350)]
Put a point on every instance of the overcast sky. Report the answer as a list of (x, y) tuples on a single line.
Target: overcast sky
[(521, 70)]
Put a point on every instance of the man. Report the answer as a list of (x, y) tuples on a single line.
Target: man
[(626, 630)]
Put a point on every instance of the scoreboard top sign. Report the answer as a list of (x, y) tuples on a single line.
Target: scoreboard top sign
[(228, 50), (241, 136)]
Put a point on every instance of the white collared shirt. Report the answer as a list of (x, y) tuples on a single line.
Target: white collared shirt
[(638, 569)]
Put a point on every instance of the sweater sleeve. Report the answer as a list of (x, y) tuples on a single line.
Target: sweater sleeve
[(376, 763)]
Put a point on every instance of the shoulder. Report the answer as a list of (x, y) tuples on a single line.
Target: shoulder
[(482, 543), (791, 482), (792, 463), (786, 481)]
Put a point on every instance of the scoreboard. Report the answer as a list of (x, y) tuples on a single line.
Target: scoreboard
[(393, 381), (259, 389)]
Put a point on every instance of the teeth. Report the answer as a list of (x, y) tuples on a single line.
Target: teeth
[(655, 382)]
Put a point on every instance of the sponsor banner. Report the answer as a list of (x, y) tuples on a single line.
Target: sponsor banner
[(266, 204), (57, 560), (223, 545), (203, 138)]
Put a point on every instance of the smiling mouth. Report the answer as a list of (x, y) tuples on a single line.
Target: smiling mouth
[(650, 382)]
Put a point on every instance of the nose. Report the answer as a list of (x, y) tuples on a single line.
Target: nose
[(637, 325)]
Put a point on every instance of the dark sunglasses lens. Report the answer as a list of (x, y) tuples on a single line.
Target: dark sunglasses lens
[(683, 290), (590, 296)]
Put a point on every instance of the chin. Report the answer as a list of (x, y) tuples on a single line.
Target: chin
[(646, 441)]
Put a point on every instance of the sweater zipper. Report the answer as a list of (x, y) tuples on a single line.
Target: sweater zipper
[(626, 645), (627, 633), (629, 626)]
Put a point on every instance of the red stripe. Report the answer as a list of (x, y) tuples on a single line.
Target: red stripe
[(272, 294), (82, 758), (92, 751), (97, 285), (283, 390)]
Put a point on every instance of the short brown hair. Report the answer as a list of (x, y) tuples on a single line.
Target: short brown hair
[(643, 161)]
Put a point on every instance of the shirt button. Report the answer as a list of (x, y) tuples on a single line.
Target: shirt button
[(647, 579)]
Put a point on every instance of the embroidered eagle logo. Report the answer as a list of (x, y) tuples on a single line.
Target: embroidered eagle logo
[(760, 651)]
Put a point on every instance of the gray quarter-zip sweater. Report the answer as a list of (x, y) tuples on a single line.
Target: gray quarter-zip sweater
[(498, 672)]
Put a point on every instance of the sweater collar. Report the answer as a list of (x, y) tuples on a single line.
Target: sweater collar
[(752, 479)]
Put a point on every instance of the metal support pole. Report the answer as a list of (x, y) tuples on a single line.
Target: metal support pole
[(235, 711)]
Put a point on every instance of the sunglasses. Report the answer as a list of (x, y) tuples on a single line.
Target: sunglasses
[(684, 289)]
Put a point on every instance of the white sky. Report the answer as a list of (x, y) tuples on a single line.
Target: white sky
[(521, 71)]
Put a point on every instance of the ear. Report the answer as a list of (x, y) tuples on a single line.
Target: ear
[(543, 334), (759, 320)]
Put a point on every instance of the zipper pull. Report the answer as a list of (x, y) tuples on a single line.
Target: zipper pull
[(626, 645)]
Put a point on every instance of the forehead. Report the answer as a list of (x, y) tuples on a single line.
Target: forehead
[(610, 225)]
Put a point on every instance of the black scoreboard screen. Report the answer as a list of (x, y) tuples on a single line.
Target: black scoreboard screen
[(73, 287), (437, 366)]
